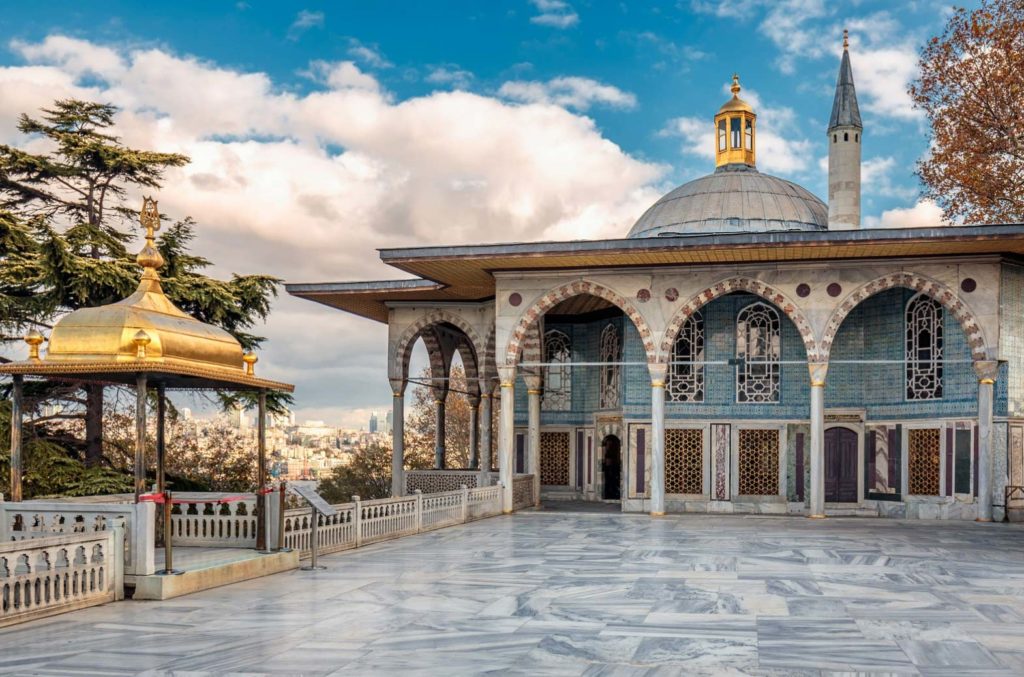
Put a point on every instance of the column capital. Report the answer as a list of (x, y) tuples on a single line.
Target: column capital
[(986, 371), (474, 402), (507, 375), (659, 372), (398, 386), (818, 371), (533, 383)]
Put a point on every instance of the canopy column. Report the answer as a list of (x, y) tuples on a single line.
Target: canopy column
[(506, 433), (986, 370), (398, 436), (161, 443), (658, 374), (140, 435), (474, 433), (533, 393), (261, 472), (818, 371), (17, 417), (486, 415)]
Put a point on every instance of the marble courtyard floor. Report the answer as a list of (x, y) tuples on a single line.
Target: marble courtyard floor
[(596, 594)]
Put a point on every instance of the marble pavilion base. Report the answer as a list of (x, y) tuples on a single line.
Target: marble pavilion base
[(206, 568)]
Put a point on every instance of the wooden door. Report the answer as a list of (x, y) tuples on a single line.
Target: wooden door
[(841, 465)]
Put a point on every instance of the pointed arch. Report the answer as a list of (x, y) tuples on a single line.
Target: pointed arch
[(737, 284), (555, 296), (403, 348), (936, 290)]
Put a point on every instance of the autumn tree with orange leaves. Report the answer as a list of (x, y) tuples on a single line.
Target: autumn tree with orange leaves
[(971, 88)]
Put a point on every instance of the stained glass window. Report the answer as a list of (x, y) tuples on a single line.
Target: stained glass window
[(610, 368), (924, 349), (686, 371), (557, 376), (758, 350)]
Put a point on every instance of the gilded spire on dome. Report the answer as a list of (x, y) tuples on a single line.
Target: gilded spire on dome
[(734, 131), (149, 258)]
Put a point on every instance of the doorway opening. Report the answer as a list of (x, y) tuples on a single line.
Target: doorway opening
[(611, 466), (841, 466)]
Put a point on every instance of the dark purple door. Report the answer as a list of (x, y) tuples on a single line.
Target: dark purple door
[(840, 465)]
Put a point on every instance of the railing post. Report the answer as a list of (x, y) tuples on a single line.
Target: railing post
[(116, 558), (465, 503), (357, 520), (4, 526), (143, 539), (419, 510)]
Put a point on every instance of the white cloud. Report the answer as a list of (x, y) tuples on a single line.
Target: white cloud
[(876, 179), (450, 75), (368, 54), (568, 92), (554, 14), (924, 214), (307, 186), (305, 20)]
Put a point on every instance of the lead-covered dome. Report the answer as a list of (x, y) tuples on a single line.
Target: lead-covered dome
[(735, 199)]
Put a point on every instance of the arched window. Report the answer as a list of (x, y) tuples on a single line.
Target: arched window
[(856, 138), (750, 135), (721, 136), (734, 129), (609, 368), (758, 350), (924, 348), (557, 376), (835, 137), (686, 371), (846, 136)]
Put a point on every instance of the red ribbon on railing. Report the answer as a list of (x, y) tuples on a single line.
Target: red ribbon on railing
[(159, 498)]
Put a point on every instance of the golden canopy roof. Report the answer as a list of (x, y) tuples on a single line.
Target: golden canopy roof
[(143, 333)]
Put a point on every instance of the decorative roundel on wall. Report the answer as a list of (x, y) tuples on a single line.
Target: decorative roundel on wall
[(968, 284), (514, 299), (834, 289), (671, 294), (803, 290), (643, 296)]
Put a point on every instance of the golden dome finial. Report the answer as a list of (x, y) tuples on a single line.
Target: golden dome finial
[(735, 89), (34, 339), (141, 340), (846, 39), (250, 360), (149, 258)]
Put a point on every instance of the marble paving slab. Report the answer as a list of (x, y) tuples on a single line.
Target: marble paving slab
[(595, 594)]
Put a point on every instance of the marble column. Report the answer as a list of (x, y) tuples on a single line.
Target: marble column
[(986, 371), (506, 434), (140, 436), (262, 499), (818, 371), (533, 392), (485, 431), (16, 423), (474, 433), (658, 374), (439, 442), (398, 437)]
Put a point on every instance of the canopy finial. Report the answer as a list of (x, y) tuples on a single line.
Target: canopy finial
[(149, 258)]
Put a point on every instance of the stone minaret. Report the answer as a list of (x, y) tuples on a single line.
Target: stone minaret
[(845, 134)]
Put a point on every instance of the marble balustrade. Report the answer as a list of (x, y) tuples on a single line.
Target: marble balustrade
[(360, 523), (45, 576), (213, 525), (44, 519)]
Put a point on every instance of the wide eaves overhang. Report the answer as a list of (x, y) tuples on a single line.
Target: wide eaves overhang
[(466, 273)]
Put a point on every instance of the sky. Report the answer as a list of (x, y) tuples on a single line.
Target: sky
[(320, 132)]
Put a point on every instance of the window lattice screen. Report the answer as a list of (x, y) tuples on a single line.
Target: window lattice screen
[(684, 461), (554, 459), (923, 461), (759, 462)]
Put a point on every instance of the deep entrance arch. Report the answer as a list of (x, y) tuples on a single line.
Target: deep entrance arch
[(611, 467)]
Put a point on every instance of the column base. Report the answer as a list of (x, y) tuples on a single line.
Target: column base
[(983, 519), (657, 514), (816, 517)]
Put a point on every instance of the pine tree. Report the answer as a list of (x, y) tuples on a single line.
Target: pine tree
[(65, 223)]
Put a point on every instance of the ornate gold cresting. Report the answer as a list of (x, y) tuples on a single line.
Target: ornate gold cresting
[(34, 339), (735, 130)]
